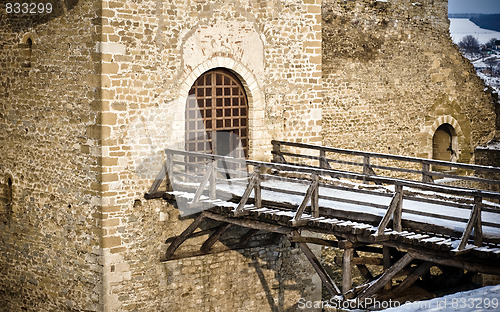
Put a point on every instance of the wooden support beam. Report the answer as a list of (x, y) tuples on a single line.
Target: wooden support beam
[(412, 277), (214, 237), (386, 277), (194, 234), (473, 223), (215, 250), (363, 269), (483, 267), (386, 254), (395, 208), (314, 240), (325, 278), (361, 261), (184, 235), (312, 187), (249, 223), (245, 239), (347, 270)]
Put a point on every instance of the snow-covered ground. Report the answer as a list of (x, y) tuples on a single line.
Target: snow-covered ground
[(461, 27), (482, 299), (493, 82)]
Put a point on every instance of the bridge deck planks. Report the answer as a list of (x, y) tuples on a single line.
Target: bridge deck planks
[(364, 232)]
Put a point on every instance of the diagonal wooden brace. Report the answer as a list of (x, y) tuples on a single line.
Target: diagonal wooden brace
[(184, 235), (312, 194), (386, 277), (325, 278), (253, 185), (214, 237), (473, 223), (395, 208), (159, 178), (209, 176)]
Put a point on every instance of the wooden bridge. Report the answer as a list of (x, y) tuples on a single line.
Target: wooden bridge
[(409, 216)]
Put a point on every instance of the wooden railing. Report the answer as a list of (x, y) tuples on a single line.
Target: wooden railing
[(318, 177), (367, 165)]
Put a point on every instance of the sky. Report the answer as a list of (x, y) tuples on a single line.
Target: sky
[(474, 6)]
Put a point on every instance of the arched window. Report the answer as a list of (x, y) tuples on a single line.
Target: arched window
[(217, 115), (444, 143), (27, 47)]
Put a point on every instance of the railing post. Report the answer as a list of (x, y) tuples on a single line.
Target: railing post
[(426, 177), (367, 168), (396, 219), (315, 197), (366, 165), (322, 159), (478, 229), (213, 181), (169, 172), (256, 188), (277, 156)]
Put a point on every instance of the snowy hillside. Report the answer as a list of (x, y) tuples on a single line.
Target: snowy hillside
[(482, 299), (461, 27)]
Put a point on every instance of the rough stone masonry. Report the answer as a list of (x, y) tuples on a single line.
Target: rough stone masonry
[(92, 92)]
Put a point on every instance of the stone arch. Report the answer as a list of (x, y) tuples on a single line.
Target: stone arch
[(28, 36), (448, 123), (255, 98)]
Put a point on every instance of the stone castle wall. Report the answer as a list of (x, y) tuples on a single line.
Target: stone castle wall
[(391, 76), (88, 114), (152, 53), (49, 227)]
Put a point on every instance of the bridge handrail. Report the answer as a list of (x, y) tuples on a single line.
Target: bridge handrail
[(453, 190), (390, 156), (426, 173), (394, 210)]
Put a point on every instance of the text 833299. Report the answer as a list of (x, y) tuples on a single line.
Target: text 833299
[(28, 8)]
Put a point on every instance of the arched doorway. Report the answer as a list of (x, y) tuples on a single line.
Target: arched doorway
[(443, 143), (217, 115)]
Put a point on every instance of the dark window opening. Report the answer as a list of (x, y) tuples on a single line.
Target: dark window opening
[(28, 51)]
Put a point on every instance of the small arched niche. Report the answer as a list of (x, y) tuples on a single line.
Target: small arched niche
[(445, 143)]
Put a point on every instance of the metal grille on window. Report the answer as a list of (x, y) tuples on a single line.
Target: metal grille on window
[(217, 116)]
